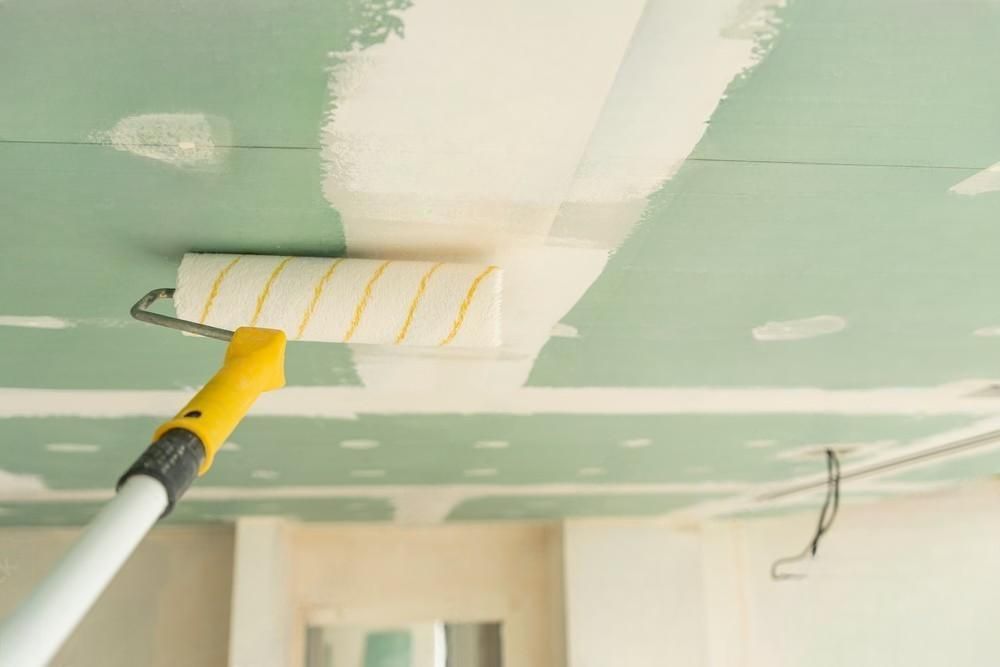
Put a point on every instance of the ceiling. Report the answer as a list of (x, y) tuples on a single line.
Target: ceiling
[(734, 233)]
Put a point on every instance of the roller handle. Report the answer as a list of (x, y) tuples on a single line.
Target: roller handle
[(185, 446), (254, 364)]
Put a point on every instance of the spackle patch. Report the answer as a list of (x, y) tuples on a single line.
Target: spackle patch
[(593, 471), (635, 443), (810, 327), (178, 139), (359, 444), (987, 332), (230, 447), (11, 482), (988, 180), (491, 444), (264, 474), (34, 322), (72, 448), (564, 331), (480, 472)]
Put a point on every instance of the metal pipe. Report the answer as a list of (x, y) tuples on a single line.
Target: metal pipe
[(958, 446)]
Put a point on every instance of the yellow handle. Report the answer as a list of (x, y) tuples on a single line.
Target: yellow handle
[(254, 364)]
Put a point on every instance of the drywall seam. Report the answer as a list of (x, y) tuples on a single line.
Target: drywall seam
[(350, 402)]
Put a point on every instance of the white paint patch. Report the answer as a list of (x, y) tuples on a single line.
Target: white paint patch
[(810, 327), (230, 447), (760, 444), (265, 474), (369, 472), (480, 472), (987, 332), (177, 139), (485, 142), (21, 484), (593, 471), (681, 59), (72, 448), (561, 330), (34, 322), (359, 444), (491, 444), (988, 180), (635, 443), (349, 402), (538, 160)]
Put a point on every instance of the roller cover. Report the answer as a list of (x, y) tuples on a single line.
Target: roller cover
[(381, 302)]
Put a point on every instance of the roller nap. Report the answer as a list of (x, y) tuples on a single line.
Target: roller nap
[(344, 300)]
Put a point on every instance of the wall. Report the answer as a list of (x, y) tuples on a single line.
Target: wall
[(911, 581), (373, 574), (169, 605), (906, 582), (902, 582), (633, 595)]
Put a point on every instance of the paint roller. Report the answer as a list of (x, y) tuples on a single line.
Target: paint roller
[(256, 303), (344, 300)]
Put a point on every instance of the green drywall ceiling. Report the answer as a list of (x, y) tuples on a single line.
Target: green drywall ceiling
[(415, 449), (820, 187)]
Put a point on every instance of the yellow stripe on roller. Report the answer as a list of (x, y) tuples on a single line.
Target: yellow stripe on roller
[(267, 289), (214, 292), (359, 310), (466, 302), (317, 293), (421, 288)]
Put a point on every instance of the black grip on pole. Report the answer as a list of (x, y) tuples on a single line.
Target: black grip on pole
[(173, 460)]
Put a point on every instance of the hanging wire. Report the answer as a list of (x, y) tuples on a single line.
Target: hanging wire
[(826, 517)]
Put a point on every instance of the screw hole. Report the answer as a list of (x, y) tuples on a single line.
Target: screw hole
[(194, 414)]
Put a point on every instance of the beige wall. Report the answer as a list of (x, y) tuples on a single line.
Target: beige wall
[(633, 594), (386, 574), (909, 581), (168, 606)]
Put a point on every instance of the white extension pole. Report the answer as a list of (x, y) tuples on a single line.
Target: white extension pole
[(35, 631)]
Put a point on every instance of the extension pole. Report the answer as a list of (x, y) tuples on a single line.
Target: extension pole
[(36, 630), (183, 448)]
